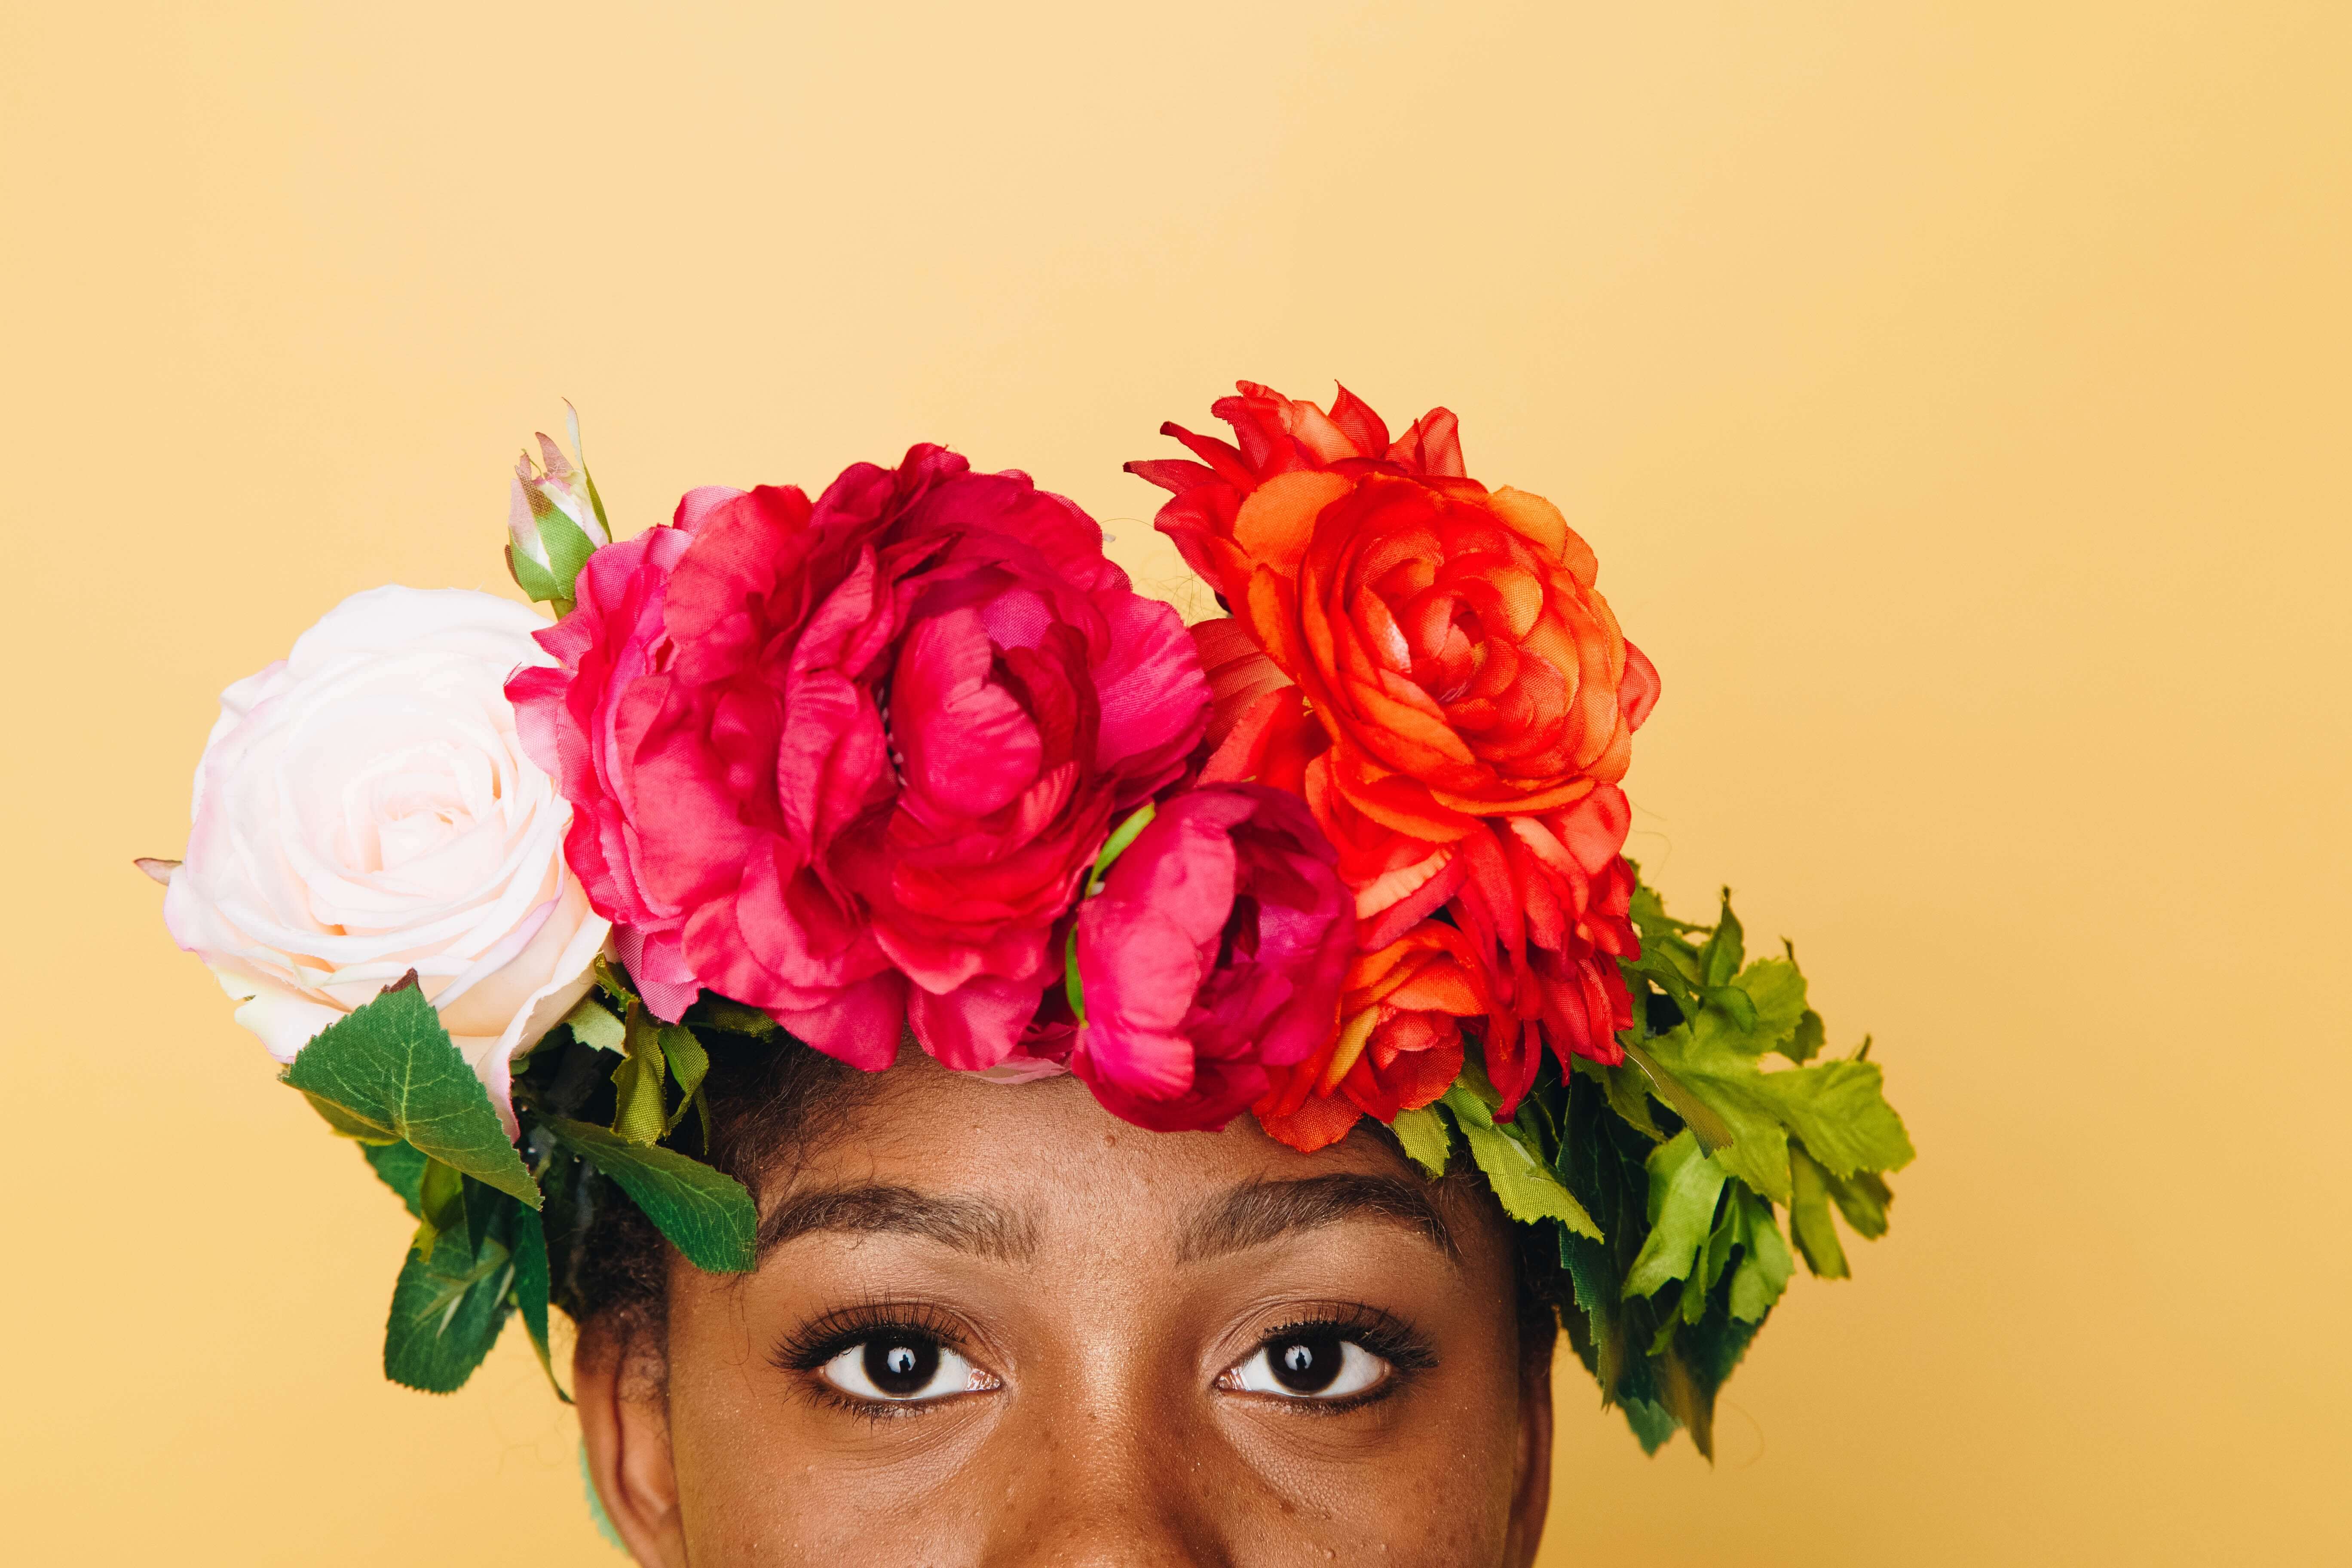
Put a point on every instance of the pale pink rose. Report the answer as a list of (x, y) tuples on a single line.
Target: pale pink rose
[(363, 808)]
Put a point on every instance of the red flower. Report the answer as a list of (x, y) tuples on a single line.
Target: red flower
[(576, 725), (1282, 434), (869, 748), (1399, 1046), (1460, 702), (1213, 952), (1034, 698)]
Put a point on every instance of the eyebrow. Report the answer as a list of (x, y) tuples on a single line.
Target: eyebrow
[(1259, 1211), (967, 1225)]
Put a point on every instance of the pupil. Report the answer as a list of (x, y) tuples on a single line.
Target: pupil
[(901, 1367), (1306, 1365)]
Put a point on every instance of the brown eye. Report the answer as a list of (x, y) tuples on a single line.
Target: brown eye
[(1311, 1364), (901, 1368)]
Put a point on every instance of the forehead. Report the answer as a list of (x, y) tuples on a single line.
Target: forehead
[(1042, 1159), (920, 1119)]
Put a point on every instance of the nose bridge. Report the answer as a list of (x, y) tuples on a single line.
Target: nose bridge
[(1114, 1478)]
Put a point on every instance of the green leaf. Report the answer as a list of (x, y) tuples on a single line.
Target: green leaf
[(1806, 1043), (706, 1214), (1601, 1160), (1711, 1130), (1776, 992), (1523, 1183), (441, 1206), (531, 577), (1862, 1198), (391, 1066), (1720, 959), (567, 547), (637, 1113), (1426, 1139), (402, 1166), (1707, 1070), (447, 1310), (1808, 1216), (1663, 1312), (346, 1125), (1074, 987), (1533, 1123), (735, 1018), (1473, 1080), (1596, 1290), (1660, 1358), (1669, 971), (1732, 1002), (1653, 1425), (596, 502), (1765, 1264), (1116, 845), (614, 982), (1695, 1367), (1837, 1107), (1684, 1185), (689, 1064), (531, 1284), (1628, 1091), (481, 1209), (1722, 1242), (594, 1024)]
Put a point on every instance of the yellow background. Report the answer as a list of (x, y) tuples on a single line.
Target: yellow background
[(1956, 397)]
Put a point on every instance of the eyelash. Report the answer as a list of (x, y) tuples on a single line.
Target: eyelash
[(1390, 1338), (811, 1346), (818, 1341)]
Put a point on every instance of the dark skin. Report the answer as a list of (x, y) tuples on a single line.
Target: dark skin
[(995, 1326)]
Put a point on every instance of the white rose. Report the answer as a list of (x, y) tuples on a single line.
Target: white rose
[(364, 808)]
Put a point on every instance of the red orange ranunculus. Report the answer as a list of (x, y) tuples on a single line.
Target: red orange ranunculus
[(1399, 1042), (1443, 683), (1282, 434)]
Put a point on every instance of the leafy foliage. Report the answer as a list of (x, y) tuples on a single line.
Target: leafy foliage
[(388, 1076), (705, 1214), (450, 1302), (637, 1081), (1678, 1159), (1424, 1136), (1686, 1187), (532, 1289), (1662, 1176), (1654, 1318), (389, 1067), (402, 1167), (1515, 1164)]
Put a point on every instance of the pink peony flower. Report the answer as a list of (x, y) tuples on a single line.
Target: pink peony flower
[(857, 756), (1214, 951), (585, 721)]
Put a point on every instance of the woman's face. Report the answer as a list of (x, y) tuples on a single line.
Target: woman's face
[(993, 1325)]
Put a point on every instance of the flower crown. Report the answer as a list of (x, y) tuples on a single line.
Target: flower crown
[(912, 762)]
